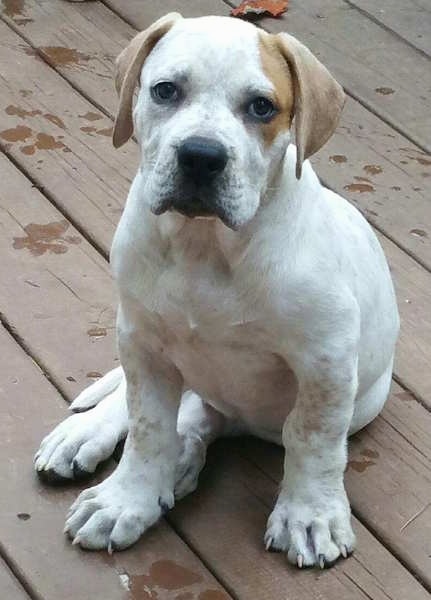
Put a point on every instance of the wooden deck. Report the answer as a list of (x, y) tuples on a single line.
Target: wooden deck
[(61, 194)]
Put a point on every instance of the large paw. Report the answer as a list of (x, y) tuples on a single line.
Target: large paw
[(312, 533), (76, 446), (115, 513), (190, 464)]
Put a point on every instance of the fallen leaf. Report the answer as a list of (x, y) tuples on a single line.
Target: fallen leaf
[(275, 8)]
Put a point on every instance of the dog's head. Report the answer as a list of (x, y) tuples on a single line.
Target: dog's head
[(214, 112)]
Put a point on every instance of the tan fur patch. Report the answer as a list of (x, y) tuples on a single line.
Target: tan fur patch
[(276, 69)]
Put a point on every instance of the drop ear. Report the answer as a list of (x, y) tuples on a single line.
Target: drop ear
[(127, 70), (318, 98)]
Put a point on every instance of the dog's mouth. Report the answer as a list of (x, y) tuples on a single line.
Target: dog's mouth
[(196, 206)]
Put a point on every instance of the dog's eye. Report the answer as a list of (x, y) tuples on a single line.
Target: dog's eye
[(165, 91), (261, 108)]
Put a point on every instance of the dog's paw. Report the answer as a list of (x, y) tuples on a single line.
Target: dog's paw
[(190, 464), (312, 534), (115, 513), (75, 447)]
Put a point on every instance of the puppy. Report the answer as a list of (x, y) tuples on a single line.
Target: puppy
[(252, 299)]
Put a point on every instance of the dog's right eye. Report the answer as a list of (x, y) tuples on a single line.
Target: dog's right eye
[(165, 91)]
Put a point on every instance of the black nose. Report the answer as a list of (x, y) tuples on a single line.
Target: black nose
[(202, 159)]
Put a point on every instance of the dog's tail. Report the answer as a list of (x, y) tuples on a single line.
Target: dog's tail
[(92, 395)]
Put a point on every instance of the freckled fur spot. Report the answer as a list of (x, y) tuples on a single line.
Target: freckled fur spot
[(277, 70)]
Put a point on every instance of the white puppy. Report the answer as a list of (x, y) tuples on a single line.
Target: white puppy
[(249, 293)]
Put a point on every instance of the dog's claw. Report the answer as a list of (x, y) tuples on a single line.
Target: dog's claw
[(268, 543), (344, 552), (321, 561), (76, 541), (300, 561)]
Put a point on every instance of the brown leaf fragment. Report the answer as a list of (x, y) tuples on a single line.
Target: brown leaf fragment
[(251, 8)]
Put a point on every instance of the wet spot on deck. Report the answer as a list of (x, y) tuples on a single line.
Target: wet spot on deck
[(419, 233), (20, 133), (212, 595), (359, 187), (97, 332), (385, 91), (94, 375), (43, 142), (64, 57), (370, 453), (360, 465), (18, 111), (54, 119), (164, 574), (338, 158), (91, 116), (91, 129), (373, 169), (24, 516), (48, 237)]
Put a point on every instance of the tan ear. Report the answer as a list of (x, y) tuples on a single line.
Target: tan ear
[(318, 98), (128, 67)]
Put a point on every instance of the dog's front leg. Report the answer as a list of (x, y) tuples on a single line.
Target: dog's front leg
[(311, 519), (115, 513)]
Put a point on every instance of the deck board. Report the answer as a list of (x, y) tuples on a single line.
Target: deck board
[(410, 19), (56, 297), (9, 585)]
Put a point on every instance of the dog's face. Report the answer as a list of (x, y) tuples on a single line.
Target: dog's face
[(214, 112)]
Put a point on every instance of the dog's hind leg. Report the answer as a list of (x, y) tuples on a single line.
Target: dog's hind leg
[(82, 441)]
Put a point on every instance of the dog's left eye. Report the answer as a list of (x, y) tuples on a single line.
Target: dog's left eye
[(261, 108), (165, 91)]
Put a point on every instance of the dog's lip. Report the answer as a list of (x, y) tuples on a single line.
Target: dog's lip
[(200, 211)]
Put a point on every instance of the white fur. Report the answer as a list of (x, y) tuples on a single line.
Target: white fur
[(285, 328)]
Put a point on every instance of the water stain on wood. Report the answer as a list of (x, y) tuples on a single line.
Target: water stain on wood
[(13, 8), (20, 133), (42, 238), (64, 57), (97, 332), (18, 111), (338, 158), (91, 129), (54, 119), (164, 574), (94, 375), (213, 595), (385, 91), (419, 233), (420, 160), (91, 116), (370, 453), (43, 142), (359, 465), (359, 187), (373, 169)]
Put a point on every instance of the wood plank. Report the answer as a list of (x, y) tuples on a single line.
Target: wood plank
[(410, 19), (9, 585), (32, 515), (388, 478), (234, 500), (76, 352), (394, 173), (362, 56)]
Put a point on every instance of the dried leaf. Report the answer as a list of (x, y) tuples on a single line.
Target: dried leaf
[(249, 8)]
